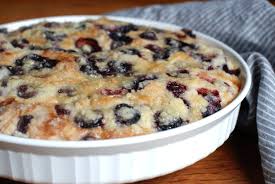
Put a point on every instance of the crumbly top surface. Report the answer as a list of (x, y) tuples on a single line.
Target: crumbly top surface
[(102, 79)]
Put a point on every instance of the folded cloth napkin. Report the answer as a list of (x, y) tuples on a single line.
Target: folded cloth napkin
[(248, 26)]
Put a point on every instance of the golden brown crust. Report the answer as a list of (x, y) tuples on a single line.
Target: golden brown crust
[(102, 79)]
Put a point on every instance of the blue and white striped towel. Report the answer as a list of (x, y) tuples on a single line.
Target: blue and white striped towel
[(248, 26)]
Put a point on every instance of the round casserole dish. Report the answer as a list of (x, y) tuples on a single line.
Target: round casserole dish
[(123, 159)]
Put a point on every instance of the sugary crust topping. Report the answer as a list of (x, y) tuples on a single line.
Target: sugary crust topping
[(102, 79)]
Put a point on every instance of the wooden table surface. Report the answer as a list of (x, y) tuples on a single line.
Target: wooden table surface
[(237, 161)]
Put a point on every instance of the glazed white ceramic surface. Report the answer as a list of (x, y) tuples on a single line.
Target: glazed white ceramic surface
[(124, 159)]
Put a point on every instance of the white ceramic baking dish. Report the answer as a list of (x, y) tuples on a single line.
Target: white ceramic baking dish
[(124, 159)]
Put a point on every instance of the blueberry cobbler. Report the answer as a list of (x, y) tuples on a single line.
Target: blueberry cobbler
[(103, 79)]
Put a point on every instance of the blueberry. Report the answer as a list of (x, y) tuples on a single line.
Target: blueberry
[(165, 54), (91, 120), (165, 121), (119, 39), (213, 98), (68, 91), (131, 51), (52, 36), (231, 72), (97, 66), (173, 43), (39, 62), (123, 29), (183, 71), (203, 57), (44, 62), (176, 88), (23, 123), (148, 35), (21, 43), (81, 26), (126, 114), (87, 45), (187, 103), (154, 48), (126, 28), (16, 70), (120, 67), (60, 110), (91, 67), (36, 47), (141, 81), (25, 91), (105, 70), (210, 68), (159, 53), (188, 32), (207, 58), (211, 109), (3, 30), (179, 45), (118, 34)]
